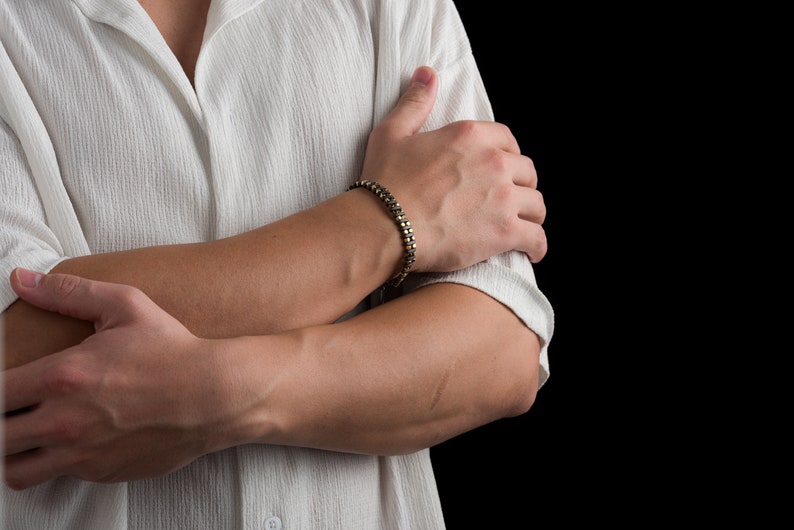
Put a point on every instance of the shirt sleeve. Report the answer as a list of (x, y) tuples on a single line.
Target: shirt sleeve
[(25, 239), (38, 224)]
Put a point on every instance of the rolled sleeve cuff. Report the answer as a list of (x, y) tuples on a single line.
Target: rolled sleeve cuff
[(38, 260)]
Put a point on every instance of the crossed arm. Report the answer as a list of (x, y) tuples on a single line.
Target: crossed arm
[(241, 347)]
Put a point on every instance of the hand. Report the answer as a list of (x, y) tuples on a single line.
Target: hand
[(466, 188), (131, 401)]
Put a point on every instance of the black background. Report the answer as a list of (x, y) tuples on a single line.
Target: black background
[(540, 73), (638, 125)]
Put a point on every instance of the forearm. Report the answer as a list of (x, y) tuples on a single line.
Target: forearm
[(404, 376), (472, 195), (309, 268)]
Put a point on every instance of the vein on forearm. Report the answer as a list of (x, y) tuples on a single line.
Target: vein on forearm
[(401, 377)]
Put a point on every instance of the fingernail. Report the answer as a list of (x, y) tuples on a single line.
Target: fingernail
[(29, 278), (421, 77)]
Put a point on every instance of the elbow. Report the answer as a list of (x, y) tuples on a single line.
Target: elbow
[(523, 403), (523, 391), (519, 375)]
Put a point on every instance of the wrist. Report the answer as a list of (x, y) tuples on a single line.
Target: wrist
[(380, 238), (403, 225), (255, 380), (227, 398)]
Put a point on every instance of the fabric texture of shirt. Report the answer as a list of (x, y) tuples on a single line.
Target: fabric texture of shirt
[(105, 145)]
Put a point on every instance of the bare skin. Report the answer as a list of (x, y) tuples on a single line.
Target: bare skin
[(181, 23), (270, 291), (139, 413), (295, 378)]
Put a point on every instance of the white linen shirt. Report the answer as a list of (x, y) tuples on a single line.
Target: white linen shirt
[(105, 145)]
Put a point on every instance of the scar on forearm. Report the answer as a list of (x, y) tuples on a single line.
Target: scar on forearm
[(442, 385)]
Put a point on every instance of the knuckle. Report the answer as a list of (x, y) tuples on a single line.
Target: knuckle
[(497, 160), (126, 294), (506, 226), (66, 378), (512, 226), (509, 138), (415, 96), (505, 130), (464, 130), (66, 284), (503, 193)]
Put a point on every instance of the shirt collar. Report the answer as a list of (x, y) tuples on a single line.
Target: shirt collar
[(129, 17)]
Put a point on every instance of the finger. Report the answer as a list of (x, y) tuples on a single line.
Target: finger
[(28, 469), (24, 431), (477, 134), (24, 388), (532, 207), (414, 106), (532, 213), (526, 175), (20, 392), (508, 141), (534, 243), (68, 294)]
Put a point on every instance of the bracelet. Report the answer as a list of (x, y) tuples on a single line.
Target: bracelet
[(403, 226)]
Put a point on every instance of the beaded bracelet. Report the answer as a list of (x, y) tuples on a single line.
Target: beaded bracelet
[(403, 225)]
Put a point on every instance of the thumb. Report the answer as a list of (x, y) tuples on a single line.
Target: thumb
[(68, 295), (414, 106)]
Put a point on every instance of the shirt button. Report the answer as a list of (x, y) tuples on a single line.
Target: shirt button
[(273, 523)]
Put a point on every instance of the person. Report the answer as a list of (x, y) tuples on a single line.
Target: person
[(288, 250)]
